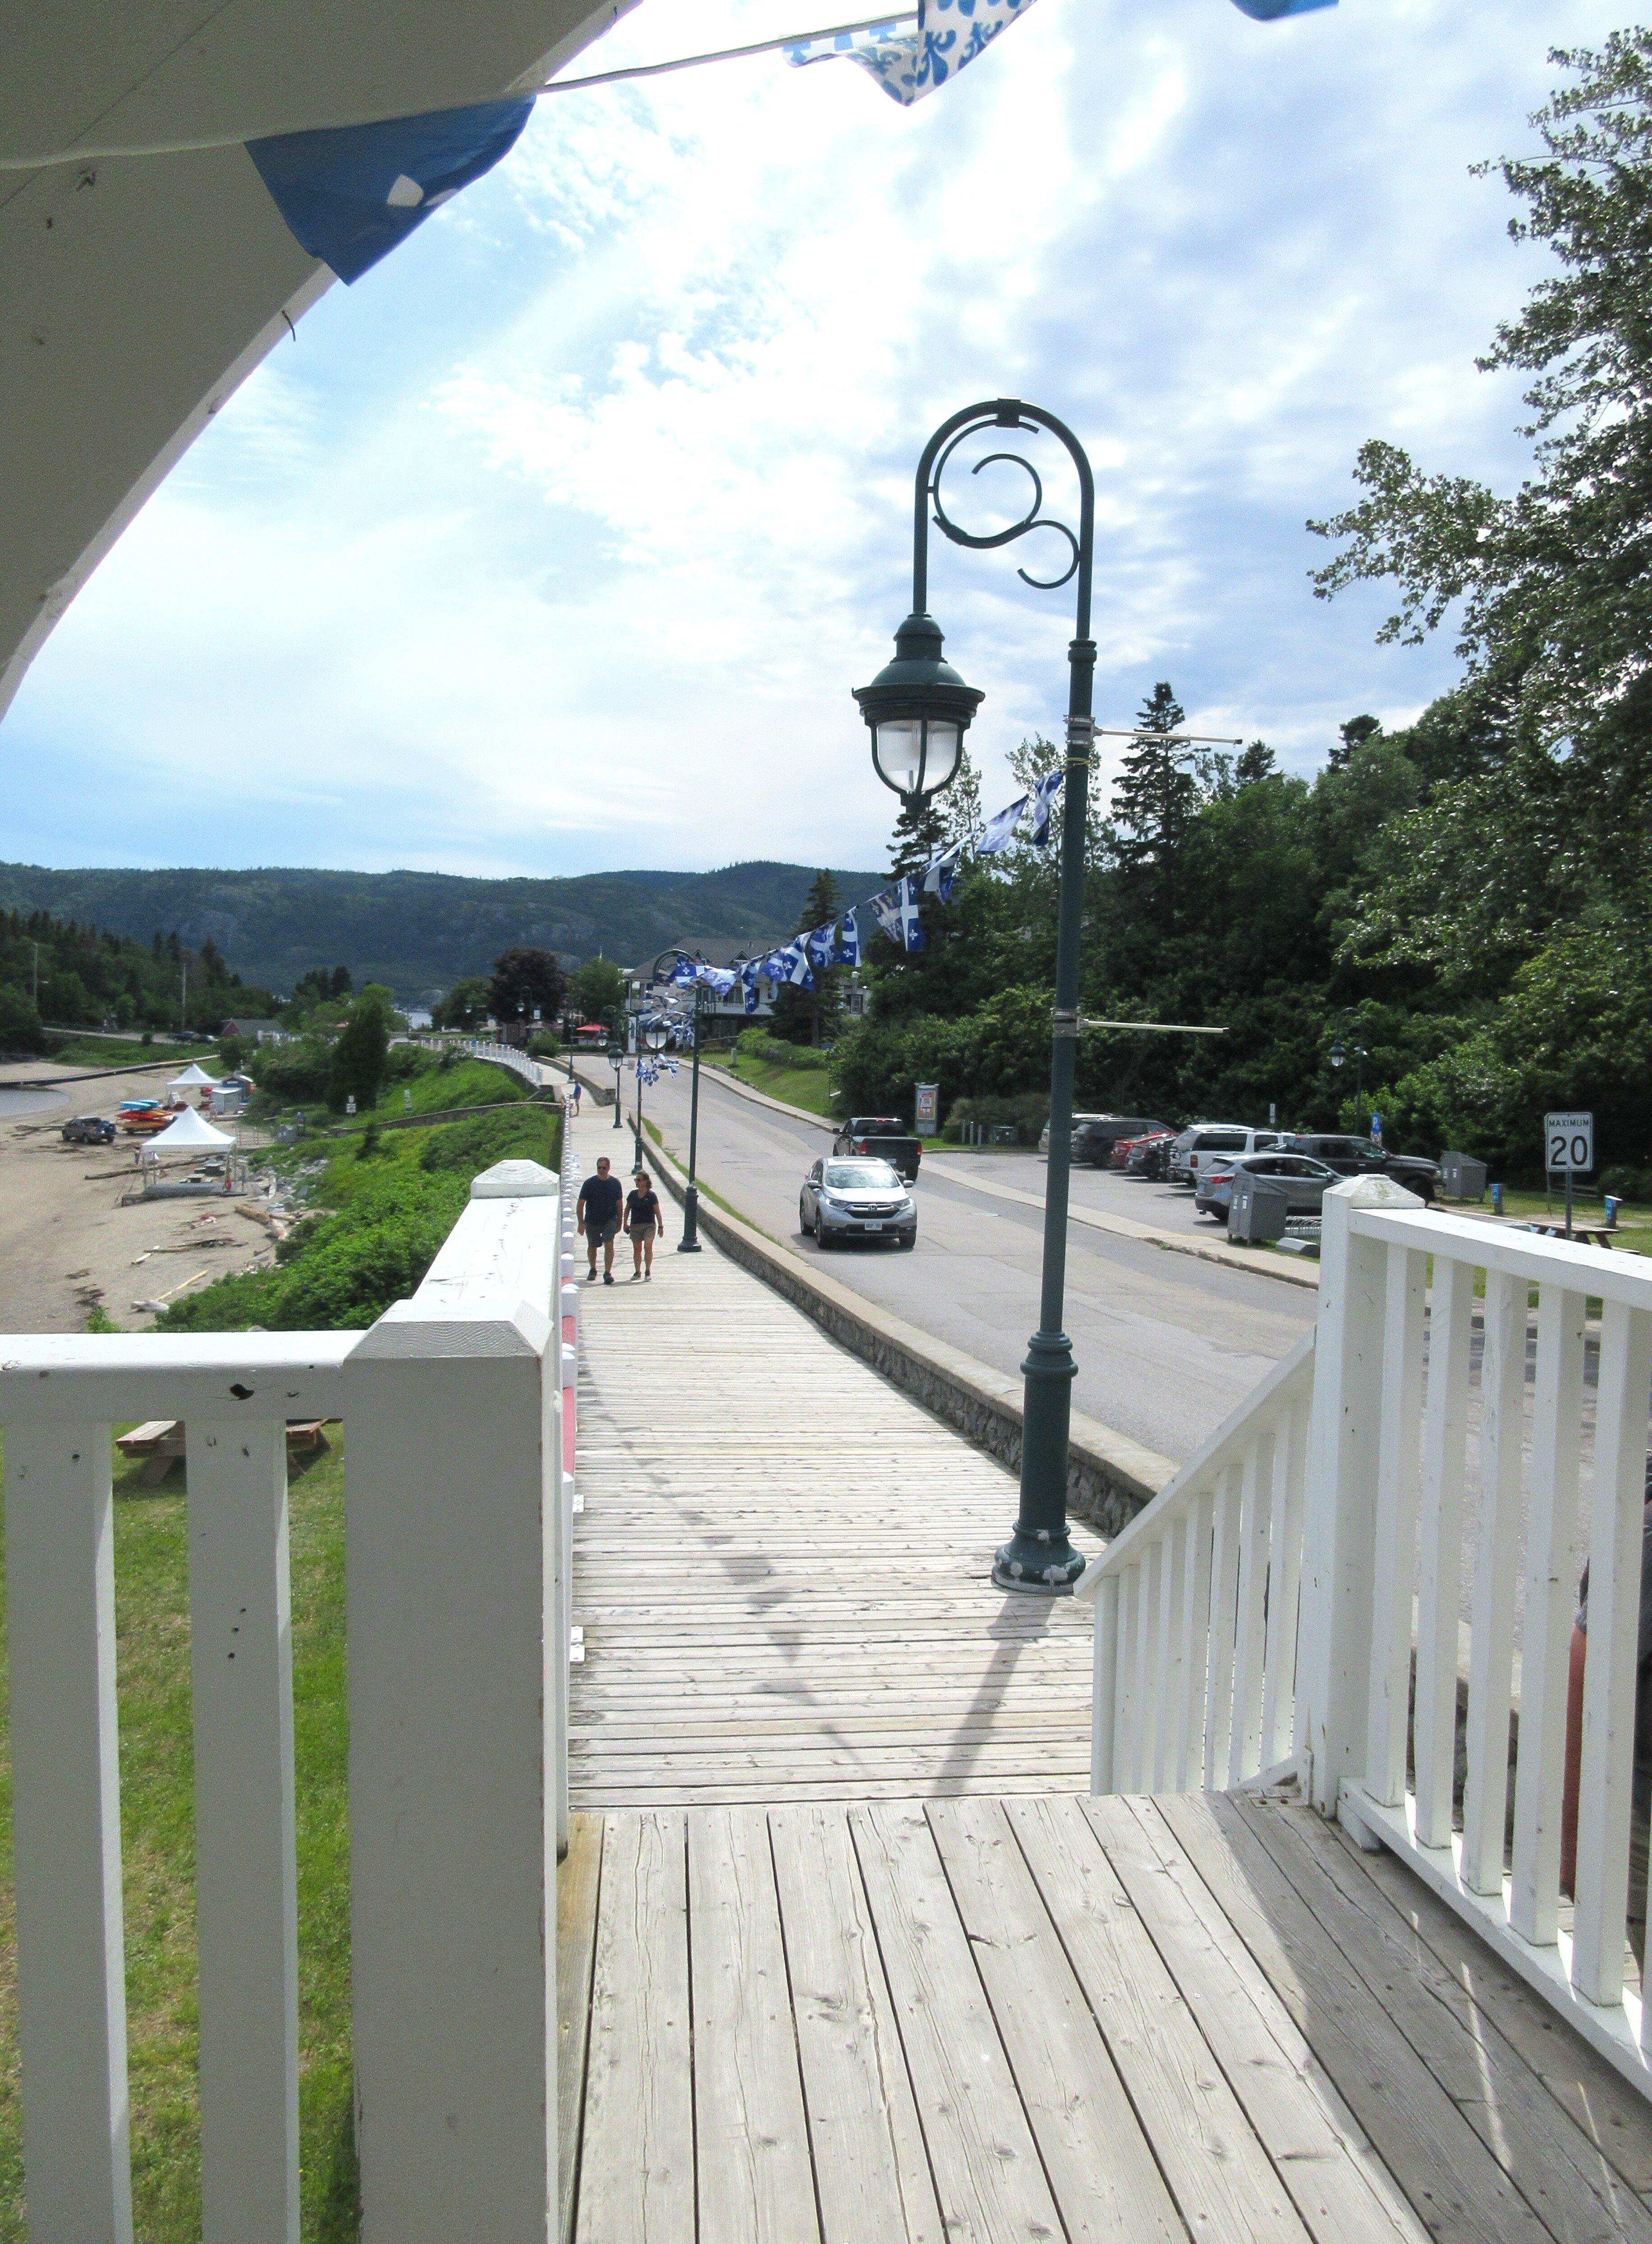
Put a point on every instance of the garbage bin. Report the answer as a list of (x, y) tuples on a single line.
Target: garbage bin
[(1257, 1210), (1462, 1177)]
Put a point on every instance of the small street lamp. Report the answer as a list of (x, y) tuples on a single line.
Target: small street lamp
[(650, 1037), (612, 1018), (916, 709), (1340, 1052), (689, 1243)]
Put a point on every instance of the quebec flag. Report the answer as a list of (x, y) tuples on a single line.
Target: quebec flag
[(951, 33), (1043, 801), (847, 952)]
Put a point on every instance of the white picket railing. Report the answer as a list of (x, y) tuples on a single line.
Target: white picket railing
[(1201, 1587), (456, 1587), (519, 1063), (1195, 1636)]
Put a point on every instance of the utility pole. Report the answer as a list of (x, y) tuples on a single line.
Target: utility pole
[(36, 976), (183, 995)]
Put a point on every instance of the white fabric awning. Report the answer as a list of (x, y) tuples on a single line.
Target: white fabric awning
[(188, 1130), (193, 1076)]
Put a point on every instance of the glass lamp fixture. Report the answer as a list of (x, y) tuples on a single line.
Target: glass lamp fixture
[(917, 710)]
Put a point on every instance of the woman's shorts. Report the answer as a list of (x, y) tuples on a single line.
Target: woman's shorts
[(639, 1230)]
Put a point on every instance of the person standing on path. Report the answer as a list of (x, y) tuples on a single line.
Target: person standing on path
[(598, 1215), (644, 1224), (574, 1089)]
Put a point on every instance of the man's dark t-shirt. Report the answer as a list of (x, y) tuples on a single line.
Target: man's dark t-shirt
[(602, 1196)]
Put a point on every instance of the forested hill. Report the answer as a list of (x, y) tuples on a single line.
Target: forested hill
[(418, 932)]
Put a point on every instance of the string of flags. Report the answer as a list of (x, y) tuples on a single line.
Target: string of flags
[(349, 194), (896, 909), (949, 34)]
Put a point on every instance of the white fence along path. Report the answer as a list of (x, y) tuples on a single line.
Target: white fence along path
[(457, 1492), (1256, 1618)]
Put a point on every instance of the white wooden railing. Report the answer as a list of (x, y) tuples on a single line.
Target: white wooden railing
[(1196, 1638), (519, 1063), (456, 1588), (1385, 1564)]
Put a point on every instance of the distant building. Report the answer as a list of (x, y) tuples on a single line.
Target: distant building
[(254, 1032)]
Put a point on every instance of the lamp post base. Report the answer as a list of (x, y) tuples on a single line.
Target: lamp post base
[(689, 1243), (1041, 1566)]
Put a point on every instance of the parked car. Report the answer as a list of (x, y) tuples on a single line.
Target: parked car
[(1358, 1157), (1148, 1157), (1123, 1153), (89, 1130), (1096, 1136), (1078, 1122), (1304, 1181), (857, 1199), (1194, 1149), (884, 1137)]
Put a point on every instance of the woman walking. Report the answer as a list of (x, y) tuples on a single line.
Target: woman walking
[(644, 1224)]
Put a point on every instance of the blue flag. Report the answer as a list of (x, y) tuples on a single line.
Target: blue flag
[(686, 972), (949, 35), (818, 943), (996, 833), (938, 876), (847, 952), (1044, 796)]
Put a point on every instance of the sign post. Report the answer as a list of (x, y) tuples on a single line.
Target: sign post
[(926, 1112), (1568, 1145)]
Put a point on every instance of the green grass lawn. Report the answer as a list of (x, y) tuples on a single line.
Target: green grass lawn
[(808, 1087), (151, 1621), (1632, 1233), (93, 1050)]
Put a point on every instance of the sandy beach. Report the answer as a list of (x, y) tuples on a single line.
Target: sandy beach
[(66, 1242)]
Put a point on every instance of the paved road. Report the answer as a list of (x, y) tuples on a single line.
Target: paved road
[(1167, 1345)]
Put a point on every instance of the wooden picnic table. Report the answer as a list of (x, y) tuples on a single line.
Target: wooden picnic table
[(1591, 1234), (161, 1442)]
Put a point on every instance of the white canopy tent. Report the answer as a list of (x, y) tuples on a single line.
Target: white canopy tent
[(190, 1133), (194, 1079)]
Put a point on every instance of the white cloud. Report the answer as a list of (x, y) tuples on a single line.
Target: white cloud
[(560, 540)]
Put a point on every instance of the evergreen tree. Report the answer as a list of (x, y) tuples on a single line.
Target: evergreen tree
[(920, 835), (802, 1016), (1152, 807), (1353, 735), (358, 1059), (1255, 761)]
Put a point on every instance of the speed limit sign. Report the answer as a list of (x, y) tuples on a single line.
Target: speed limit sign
[(1568, 1141)]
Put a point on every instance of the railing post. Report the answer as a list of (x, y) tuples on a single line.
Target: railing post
[(456, 1658), (1333, 1672), (71, 1989), (1101, 1700), (246, 1864)]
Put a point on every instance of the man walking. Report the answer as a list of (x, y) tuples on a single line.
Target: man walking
[(598, 1213)]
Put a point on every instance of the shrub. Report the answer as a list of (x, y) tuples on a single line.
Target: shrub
[(1027, 1113), (293, 1071), (517, 1133), (1629, 1184), (20, 1029), (774, 1052)]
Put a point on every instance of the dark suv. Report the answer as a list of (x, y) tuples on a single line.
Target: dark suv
[(1093, 1140), (1358, 1157), (89, 1130)]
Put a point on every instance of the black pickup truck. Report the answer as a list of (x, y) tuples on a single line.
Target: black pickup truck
[(884, 1137), (1356, 1157)]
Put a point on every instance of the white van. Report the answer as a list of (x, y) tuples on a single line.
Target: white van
[(1192, 1150)]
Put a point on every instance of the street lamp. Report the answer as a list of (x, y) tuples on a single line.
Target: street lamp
[(1340, 1052), (650, 1035), (612, 1017), (689, 1243), (916, 709)]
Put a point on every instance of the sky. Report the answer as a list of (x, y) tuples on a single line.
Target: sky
[(557, 543)]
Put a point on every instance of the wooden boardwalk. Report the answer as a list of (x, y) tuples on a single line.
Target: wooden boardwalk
[(782, 1571), (844, 1958)]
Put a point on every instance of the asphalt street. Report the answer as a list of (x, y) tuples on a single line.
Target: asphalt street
[(1167, 1345)]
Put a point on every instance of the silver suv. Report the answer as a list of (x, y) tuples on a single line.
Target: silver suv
[(1196, 1148)]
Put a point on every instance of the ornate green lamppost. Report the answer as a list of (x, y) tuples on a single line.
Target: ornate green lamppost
[(918, 708)]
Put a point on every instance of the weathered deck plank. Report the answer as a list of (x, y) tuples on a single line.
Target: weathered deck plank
[(783, 1572), (860, 1969)]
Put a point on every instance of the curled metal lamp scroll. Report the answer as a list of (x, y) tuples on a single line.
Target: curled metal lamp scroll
[(1034, 518)]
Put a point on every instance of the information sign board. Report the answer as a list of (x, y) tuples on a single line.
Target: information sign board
[(925, 1120), (1569, 1143)]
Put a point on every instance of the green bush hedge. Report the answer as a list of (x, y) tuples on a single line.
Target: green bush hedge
[(1027, 1113), (393, 1204), (774, 1052)]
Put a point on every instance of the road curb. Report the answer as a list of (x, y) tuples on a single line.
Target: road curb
[(1109, 1476), (730, 1081)]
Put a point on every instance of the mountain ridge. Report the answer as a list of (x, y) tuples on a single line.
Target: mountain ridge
[(419, 932)]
